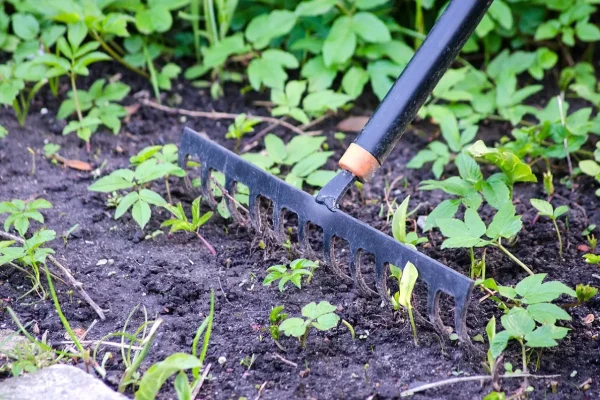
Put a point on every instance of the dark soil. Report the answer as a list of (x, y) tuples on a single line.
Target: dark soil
[(172, 276)]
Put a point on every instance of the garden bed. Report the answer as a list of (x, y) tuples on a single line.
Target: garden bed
[(171, 276)]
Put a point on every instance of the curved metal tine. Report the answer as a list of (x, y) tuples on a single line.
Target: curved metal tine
[(433, 309), (230, 186), (302, 239), (253, 207), (359, 281), (460, 318), (278, 227), (330, 258), (205, 177), (381, 274)]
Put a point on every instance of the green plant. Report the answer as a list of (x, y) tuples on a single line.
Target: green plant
[(178, 363), (288, 101), (166, 154), (140, 199), (73, 60), (301, 155), (19, 83), (275, 318), (545, 208), (240, 127), (320, 316), (181, 222), (248, 361), (399, 227), (27, 258), (469, 233), (531, 321), (3, 132), (298, 268), (21, 212), (573, 21), (406, 284), (592, 258), (585, 293), (100, 100)]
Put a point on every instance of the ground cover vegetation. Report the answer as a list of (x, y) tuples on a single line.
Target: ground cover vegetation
[(503, 151)]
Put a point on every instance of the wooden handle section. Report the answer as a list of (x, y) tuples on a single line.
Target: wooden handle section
[(360, 162)]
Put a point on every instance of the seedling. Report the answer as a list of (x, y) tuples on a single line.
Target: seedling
[(531, 321), (504, 225), (21, 212), (592, 241), (592, 258), (298, 268), (65, 236), (399, 227), (248, 361), (585, 293), (239, 128), (545, 208), (275, 318), (301, 155), (321, 316), (140, 199), (406, 284), (181, 222), (166, 154)]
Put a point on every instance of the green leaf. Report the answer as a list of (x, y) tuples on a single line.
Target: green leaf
[(152, 197), (126, 203), (502, 13), (590, 167), (407, 284), (354, 81), (320, 76), (587, 32), (25, 26), (543, 207), (540, 338), (505, 223), (499, 343), (319, 102), (275, 148), (547, 30), (76, 33), (518, 322), (513, 167), (301, 147), (118, 180), (182, 387), (326, 322), (141, 213), (314, 7), (369, 4), (293, 327), (370, 28), (158, 374), (311, 163), (547, 313), (468, 168), (314, 310), (399, 221), (340, 43), (447, 208), (448, 124)]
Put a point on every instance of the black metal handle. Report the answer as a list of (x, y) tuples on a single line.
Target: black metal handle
[(433, 58)]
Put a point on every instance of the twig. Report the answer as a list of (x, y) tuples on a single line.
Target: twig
[(228, 195), (261, 390), (452, 381), (223, 291), (111, 344), (316, 121), (285, 361), (77, 285), (253, 141), (201, 382), (218, 115)]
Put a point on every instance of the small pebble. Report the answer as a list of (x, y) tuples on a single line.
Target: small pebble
[(102, 262), (222, 360), (44, 111)]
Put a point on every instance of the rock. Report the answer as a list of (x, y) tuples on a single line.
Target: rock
[(59, 382), (9, 339)]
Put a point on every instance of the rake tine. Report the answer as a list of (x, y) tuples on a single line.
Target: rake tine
[(302, 240), (381, 272), (359, 281), (230, 185), (334, 264), (254, 211), (205, 176), (433, 308)]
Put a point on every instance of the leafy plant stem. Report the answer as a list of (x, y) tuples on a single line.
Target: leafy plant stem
[(512, 257), (153, 77), (412, 324), (472, 254), (209, 11), (208, 245), (343, 8), (419, 23), (195, 11), (560, 245), (168, 190), (116, 55)]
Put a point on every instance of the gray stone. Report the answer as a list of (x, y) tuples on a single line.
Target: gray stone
[(59, 382)]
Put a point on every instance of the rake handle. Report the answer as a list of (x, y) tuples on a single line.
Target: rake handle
[(411, 89)]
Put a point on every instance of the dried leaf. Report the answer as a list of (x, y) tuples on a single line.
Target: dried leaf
[(352, 124)]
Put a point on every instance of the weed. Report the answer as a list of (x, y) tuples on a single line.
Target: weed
[(181, 222), (399, 227), (320, 316), (545, 208), (406, 284), (585, 293), (275, 318), (298, 268), (469, 234), (21, 212), (239, 128), (248, 361)]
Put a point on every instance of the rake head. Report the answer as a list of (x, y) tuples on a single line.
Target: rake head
[(334, 223)]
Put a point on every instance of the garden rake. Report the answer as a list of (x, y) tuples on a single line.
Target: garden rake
[(362, 158)]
